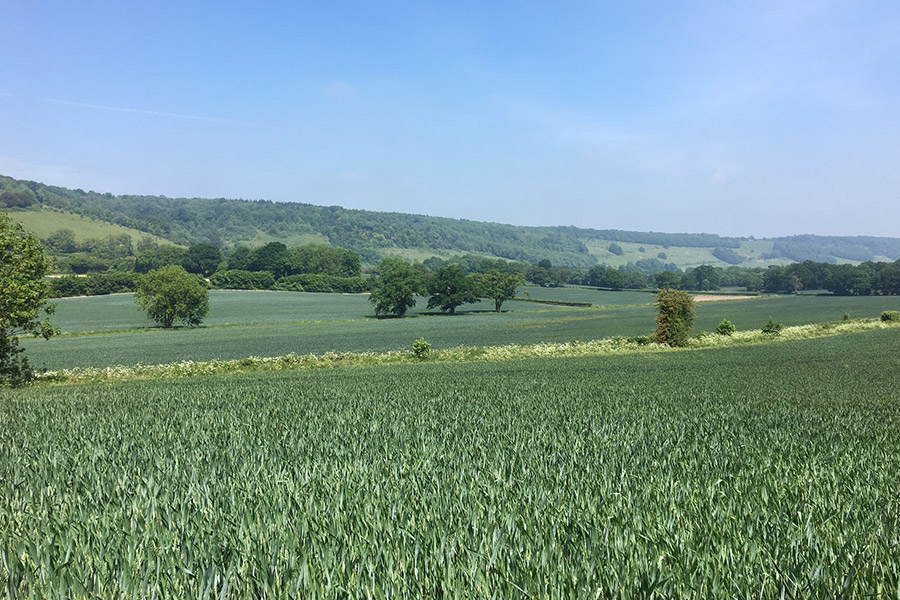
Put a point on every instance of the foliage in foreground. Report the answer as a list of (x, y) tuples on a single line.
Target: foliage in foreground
[(23, 296), (606, 347), (634, 476)]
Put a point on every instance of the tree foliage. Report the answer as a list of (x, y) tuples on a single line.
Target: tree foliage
[(202, 258), (23, 297), (497, 286), (172, 294), (675, 320), (396, 287), (449, 288)]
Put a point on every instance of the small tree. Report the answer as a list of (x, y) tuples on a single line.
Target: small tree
[(172, 294), (497, 286), (726, 327), (675, 320), (23, 296), (396, 287), (449, 288), (772, 327)]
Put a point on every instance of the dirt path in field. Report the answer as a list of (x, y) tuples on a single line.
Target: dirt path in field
[(714, 298)]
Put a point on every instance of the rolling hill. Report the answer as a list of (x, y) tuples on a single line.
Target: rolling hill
[(230, 222)]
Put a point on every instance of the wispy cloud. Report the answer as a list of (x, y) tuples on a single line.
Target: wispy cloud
[(139, 111)]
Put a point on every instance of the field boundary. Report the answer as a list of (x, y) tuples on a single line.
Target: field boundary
[(610, 346)]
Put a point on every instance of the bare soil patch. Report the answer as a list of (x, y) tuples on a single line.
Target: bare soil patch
[(717, 298)]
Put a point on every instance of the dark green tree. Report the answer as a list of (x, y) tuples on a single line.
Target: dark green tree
[(613, 279), (156, 259), (449, 288), (202, 259), (61, 241), (239, 260), (23, 297), (396, 286), (172, 294), (675, 319), (273, 257), (667, 279), (497, 286)]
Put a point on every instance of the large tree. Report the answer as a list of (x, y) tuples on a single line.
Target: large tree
[(23, 297), (396, 286), (497, 286), (202, 258), (172, 294), (449, 288)]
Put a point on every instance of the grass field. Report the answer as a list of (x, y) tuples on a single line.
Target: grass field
[(44, 222), (244, 324), (683, 256), (768, 471)]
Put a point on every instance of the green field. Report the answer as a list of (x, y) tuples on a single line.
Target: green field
[(243, 324), (684, 256), (766, 471), (44, 222)]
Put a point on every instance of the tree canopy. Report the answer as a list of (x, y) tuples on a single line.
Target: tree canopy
[(449, 288), (497, 286), (396, 286), (23, 297), (172, 294)]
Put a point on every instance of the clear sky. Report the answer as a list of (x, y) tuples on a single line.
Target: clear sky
[(739, 118)]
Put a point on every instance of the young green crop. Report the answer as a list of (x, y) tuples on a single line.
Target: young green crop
[(757, 471)]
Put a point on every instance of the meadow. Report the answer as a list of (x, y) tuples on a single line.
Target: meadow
[(110, 330), (762, 471)]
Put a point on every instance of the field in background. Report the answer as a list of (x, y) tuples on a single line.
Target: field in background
[(244, 324), (744, 472), (44, 222), (683, 256)]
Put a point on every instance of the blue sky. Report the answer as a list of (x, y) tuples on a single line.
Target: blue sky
[(738, 118)]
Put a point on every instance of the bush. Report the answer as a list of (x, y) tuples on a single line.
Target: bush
[(320, 282), (421, 348), (676, 317), (95, 284), (772, 328), (891, 316), (726, 327)]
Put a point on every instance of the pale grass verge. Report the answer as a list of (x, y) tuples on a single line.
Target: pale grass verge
[(575, 348)]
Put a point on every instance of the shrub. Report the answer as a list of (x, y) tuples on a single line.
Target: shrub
[(237, 279), (421, 348), (772, 328), (676, 317), (320, 282), (726, 327), (891, 316)]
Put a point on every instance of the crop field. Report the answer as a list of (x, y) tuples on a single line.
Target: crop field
[(243, 324), (768, 471)]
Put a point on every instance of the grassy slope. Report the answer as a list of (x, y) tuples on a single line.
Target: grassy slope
[(682, 256), (44, 222), (745, 472), (278, 323)]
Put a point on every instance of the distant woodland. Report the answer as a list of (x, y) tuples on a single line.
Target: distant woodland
[(228, 223)]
